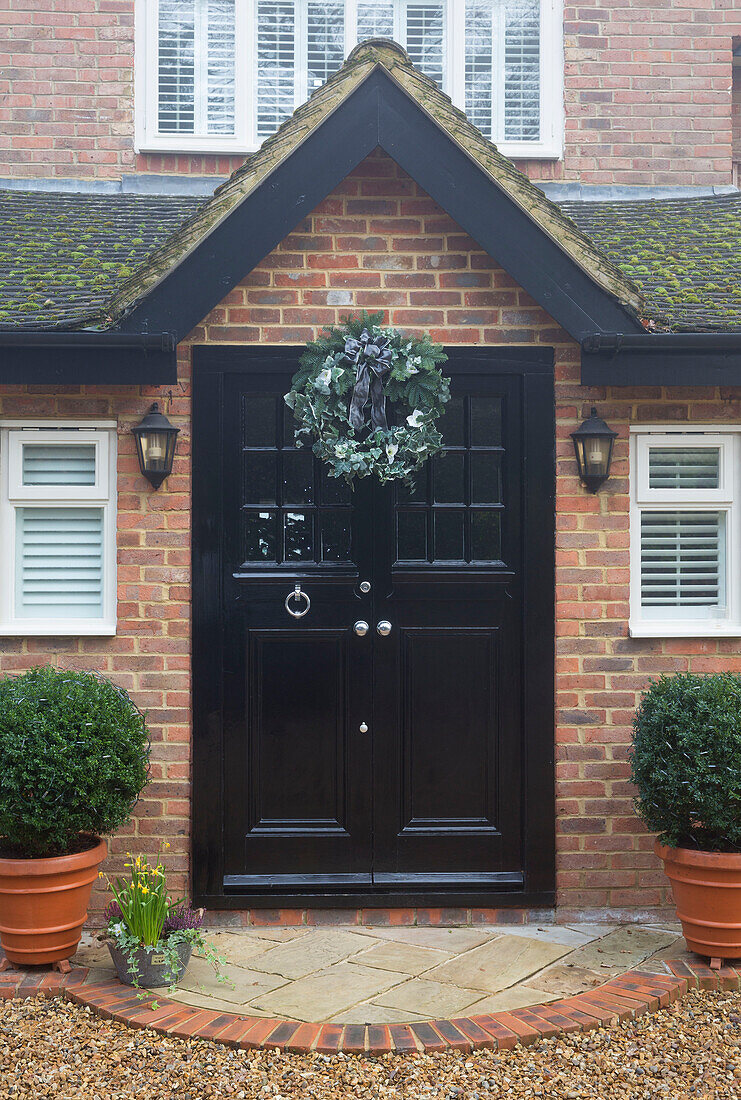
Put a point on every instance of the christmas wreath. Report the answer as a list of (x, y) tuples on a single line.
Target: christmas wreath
[(361, 364)]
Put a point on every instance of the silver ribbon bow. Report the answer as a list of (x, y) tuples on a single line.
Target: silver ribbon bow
[(372, 359)]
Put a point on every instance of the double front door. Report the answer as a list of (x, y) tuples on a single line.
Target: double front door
[(370, 730)]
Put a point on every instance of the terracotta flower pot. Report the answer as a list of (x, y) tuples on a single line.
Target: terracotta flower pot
[(43, 904), (707, 894)]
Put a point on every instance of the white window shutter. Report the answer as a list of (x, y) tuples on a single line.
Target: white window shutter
[(275, 65), (682, 559), (683, 467), (325, 35), (58, 464), (480, 64), (521, 70), (59, 563), (425, 38), (196, 67), (375, 20), (176, 69), (220, 62)]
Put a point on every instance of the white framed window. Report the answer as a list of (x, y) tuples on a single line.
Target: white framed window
[(685, 532), (57, 528), (222, 75)]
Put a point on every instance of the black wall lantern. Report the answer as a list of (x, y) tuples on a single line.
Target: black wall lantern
[(155, 445), (593, 443)]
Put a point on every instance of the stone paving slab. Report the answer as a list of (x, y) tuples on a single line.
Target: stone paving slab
[(498, 964), (429, 998), (318, 996)]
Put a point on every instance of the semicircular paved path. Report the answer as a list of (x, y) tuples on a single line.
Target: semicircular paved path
[(373, 990)]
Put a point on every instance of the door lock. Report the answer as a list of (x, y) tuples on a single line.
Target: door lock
[(384, 628), (365, 586), (361, 628)]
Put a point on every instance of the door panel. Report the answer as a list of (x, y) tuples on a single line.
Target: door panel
[(348, 763), (295, 689)]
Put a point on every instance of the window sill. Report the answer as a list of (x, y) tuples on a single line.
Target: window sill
[(538, 150), (694, 629), (57, 630)]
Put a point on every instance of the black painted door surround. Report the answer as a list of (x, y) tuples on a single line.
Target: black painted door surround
[(393, 741)]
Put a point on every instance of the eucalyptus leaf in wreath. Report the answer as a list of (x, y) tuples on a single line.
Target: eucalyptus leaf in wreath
[(367, 399)]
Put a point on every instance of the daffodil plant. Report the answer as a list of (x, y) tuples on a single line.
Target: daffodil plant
[(143, 919)]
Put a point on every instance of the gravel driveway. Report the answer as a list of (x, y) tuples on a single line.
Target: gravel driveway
[(688, 1051)]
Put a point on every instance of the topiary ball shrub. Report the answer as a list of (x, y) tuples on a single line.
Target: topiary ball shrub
[(74, 756), (686, 761)]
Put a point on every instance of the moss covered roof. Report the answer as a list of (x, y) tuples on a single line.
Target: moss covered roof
[(62, 254), (684, 254)]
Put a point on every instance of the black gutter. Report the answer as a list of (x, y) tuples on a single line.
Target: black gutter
[(144, 341), (661, 359), (87, 358)]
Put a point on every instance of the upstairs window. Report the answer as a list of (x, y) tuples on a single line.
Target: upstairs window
[(57, 530), (685, 527), (222, 75)]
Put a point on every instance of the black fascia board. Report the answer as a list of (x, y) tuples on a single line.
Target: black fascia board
[(87, 358), (378, 113), (661, 359)]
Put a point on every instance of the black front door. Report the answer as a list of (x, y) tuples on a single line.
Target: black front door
[(363, 660)]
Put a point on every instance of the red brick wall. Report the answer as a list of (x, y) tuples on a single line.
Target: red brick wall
[(378, 242), (647, 93), (150, 654), (736, 117)]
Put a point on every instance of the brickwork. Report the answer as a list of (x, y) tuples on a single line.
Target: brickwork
[(378, 242), (736, 116), (647, 93), (150, 654)]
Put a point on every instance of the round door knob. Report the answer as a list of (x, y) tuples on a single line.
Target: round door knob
[(384, 628), (361, 628), (363, 727)]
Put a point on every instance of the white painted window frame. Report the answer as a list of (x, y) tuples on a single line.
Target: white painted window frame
[(725, 499), (147, 139), (14, 495)]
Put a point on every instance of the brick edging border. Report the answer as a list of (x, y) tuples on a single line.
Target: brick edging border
[(622, 998)]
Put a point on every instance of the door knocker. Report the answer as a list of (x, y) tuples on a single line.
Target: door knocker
[(298, 595)]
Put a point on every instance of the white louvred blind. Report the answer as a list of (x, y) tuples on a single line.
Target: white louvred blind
[(196, 71), (425, 24), (480, 64), (521, 70), (275, 65), (59, 563), (682, 559), (683, 467), (58, 464), (325, 34), (375, 20)]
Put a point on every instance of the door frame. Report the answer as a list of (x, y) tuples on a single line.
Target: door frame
[(210, 364)]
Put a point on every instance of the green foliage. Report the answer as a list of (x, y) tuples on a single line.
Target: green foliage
[(686, 760), (415, 390), (74, 756)]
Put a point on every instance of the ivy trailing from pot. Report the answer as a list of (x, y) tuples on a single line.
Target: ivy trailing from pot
[(367, 399)]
